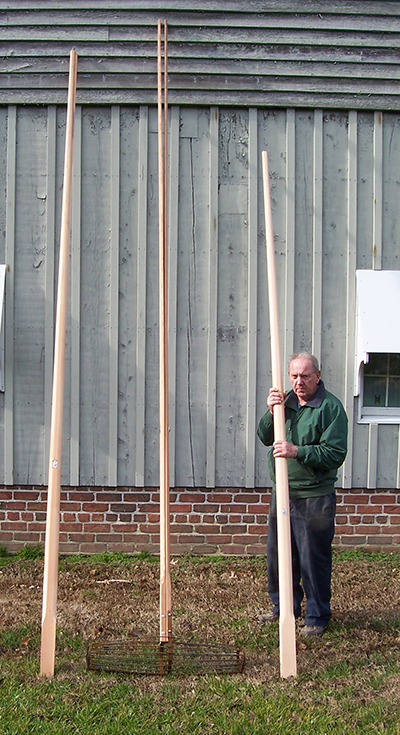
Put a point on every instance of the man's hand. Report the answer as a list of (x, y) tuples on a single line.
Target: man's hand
[(274, 397), (284, 449)]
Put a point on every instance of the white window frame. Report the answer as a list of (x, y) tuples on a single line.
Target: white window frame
[(378, 299)]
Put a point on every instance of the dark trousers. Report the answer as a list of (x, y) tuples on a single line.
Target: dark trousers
[(312, 522)]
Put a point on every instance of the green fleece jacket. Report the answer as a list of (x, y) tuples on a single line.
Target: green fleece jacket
[(319, 430)]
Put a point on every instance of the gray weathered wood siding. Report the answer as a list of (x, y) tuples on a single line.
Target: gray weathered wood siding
[(221, 52), (316, 84), (335, 191)]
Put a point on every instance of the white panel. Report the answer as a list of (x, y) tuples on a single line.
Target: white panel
[(141, 283), (9, 313), (252, 249), (212, 298), (378, 300), (377, 191), (317, 235), (114, 298), (372, 456), (75, 298), (173, 208), (289, 348), (350, 292)]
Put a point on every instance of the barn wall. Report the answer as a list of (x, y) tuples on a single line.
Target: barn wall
[(334, 196), (271, 53)]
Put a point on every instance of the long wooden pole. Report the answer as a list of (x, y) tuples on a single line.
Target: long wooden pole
[(287, 634), (50, 580), (165, 580)]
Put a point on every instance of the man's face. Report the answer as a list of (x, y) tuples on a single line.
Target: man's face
[(303, 378)]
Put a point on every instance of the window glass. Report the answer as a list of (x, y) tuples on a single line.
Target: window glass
[(374, 391), (377, 364), (394, 392)]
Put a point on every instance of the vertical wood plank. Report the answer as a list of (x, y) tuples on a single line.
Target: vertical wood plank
[(114, 298), (9, 310), (372, 456), (212, 298), (252, 250), (288, 343), (173, 188), (398, 460), (347, 470), (141, 270), (316, 308), (50, 296), (377, 191), (75, 298)]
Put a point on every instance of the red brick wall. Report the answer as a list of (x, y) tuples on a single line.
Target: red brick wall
[(219, 521)]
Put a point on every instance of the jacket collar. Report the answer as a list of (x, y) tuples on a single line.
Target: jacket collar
[(314, 402)]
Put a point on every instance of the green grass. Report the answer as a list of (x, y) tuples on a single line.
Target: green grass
[(348, 682)]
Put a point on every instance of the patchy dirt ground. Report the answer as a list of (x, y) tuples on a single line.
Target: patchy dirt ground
[(213, 600)]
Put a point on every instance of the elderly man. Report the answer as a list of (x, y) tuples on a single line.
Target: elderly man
[(315, 446)]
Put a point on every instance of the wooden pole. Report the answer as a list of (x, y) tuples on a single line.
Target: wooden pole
[(165, 580), (50, 580), (286, 615)]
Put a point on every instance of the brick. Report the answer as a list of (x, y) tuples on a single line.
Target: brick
[(391, 509), (354, 520), (180, 507), (124, 527), (27, 537), (148, 527), (236, 549), (13, 515), (390, 529), (219, 497), (205, 508), (191, 539), (81, 537), (348, 508), (109, 497), (247, 498), (194, 518), (123, 507), (203, 549), (5, 494), (139, 517), (181, 528), (394, 520), (95, 507), (97, 517), (209, 518), (260, 519), (260, 508), (219, 539), (13, 525), (234, 508), (111, 517), (83, 497), (235, 518), (369, 520), (251, 519), (95, 528), (92, 548), (382, 520), (223, 518), (375, 541), (139, 538), (136, 497), (26, 495), (352, 499), (244, 538), (186, 497), (108, 537), (259, 550), (37, 526), (66, 506), (234, 528), (71, 527), (367, 529), (153, 518), (391, 499), (68, 517)]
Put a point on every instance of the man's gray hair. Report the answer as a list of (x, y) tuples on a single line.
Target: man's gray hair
[(309, 356)]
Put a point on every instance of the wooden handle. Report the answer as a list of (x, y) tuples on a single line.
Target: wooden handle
[(50, 580), (165, 580), (287, 632)]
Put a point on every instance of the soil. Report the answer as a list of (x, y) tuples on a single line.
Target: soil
[(213, 600)]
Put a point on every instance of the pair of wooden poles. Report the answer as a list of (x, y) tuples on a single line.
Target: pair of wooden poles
[(50, 582)]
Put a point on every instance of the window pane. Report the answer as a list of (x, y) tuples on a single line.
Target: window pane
[(394, 392), (394, 364), (374, 391), (377, 365)]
